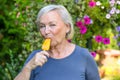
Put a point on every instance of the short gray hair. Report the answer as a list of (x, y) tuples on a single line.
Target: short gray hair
[(65, 15)]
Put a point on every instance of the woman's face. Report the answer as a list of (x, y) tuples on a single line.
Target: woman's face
[(53, 27)]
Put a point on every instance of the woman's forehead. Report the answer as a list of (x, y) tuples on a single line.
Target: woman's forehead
[(52, 16)]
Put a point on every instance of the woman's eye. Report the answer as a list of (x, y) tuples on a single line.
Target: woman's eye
[(42, 26), (52, 25)]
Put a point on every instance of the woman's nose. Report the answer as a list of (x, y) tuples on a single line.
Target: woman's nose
[(47, 29)]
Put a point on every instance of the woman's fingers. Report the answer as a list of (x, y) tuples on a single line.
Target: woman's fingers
[(41, 58), (45, 53), (38, 60)]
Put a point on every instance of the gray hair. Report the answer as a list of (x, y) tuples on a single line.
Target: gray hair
[(66, 17)]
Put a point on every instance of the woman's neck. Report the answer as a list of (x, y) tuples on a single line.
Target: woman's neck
[(62, 50)]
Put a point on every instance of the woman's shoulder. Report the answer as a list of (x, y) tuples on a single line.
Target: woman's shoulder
[(34, 52), (82, 51)]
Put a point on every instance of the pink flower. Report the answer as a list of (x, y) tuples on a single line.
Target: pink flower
[(83, 30), (87, 20), (106, 41), (93, 54), (79, 24), (98, 38), (92, 3), (69, 40)]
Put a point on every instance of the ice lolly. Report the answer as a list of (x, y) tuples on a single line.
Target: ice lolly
[(46, 44)]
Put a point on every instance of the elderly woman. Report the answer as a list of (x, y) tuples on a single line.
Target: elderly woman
[(64, 60)]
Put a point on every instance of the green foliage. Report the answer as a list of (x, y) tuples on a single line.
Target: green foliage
[(12, 33), (9, 70)]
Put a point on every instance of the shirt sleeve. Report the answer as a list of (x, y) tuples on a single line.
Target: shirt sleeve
[(91, 68)]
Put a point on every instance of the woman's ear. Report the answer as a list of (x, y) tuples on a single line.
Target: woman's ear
[(68, 28)]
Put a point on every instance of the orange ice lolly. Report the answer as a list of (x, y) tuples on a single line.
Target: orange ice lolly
[(46, 44)]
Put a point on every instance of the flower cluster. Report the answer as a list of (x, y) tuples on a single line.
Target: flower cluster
[(81, 24), (100, 39), (114, 9), (104, 17)]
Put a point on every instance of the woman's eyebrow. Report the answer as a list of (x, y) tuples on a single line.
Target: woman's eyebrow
[(52, 22), (41, 23)]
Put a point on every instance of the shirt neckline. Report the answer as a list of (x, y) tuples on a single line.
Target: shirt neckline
[(55, 59)]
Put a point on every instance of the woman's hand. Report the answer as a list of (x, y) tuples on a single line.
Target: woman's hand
[(38, 60)]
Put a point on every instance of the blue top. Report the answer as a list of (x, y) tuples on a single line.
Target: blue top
[(80, 65)]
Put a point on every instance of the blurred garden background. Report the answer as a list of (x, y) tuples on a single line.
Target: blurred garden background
[(96, 23)]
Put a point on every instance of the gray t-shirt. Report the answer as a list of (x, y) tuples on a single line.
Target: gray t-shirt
[(80, 65)]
